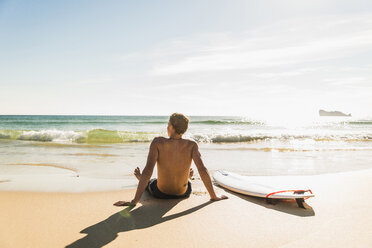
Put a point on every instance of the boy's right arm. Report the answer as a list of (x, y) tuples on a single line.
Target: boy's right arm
[(204, 175)]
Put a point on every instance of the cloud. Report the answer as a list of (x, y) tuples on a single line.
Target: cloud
[(290, 42)]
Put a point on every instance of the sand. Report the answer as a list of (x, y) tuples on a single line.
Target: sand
[(339, 216)]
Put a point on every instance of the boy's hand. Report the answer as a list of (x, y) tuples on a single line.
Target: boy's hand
[(218, 198), (125, 203)]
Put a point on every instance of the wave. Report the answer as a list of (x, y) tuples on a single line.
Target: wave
[(50, 135), (227, 122), (103, 136), (361, 122), (285, 137), (97, 136), (290, 149), (220, 138), (110, 122), (83, 122)]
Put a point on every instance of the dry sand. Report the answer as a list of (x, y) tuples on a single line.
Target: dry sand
[(341, 216)]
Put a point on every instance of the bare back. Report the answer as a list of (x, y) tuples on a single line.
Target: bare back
[(173, 163)]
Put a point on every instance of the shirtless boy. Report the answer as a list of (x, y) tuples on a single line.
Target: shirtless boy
[(173, 156)]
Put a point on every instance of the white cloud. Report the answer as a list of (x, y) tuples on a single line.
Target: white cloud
[(286, 43)]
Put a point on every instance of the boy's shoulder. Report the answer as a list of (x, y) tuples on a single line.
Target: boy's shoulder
[(158, 139), (162, 138), (191, 141)]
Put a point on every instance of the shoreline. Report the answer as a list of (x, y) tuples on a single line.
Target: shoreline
[(95, 184), (339, 217)]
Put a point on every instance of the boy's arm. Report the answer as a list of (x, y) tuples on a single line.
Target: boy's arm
[(146, 175), (147, 171), (203, 171)]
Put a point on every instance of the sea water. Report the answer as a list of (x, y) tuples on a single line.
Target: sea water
[(84, 153)]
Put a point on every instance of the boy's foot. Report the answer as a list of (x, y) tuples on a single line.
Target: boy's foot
[(137, 173)]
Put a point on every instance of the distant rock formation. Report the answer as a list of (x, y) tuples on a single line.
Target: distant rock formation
[(332, 113)]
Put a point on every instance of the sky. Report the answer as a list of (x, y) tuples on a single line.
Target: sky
[(210, 57)]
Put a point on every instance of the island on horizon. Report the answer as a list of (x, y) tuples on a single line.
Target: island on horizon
[(332, 113)]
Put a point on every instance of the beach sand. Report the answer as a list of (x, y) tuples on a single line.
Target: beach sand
[(340, 216)]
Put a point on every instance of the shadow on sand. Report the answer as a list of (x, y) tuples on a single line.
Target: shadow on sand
[(278, 205), (144, 216)]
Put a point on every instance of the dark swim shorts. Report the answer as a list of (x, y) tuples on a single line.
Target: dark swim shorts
[(152, 188)]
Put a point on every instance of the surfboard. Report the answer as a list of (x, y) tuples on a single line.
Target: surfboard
[(268, 187)]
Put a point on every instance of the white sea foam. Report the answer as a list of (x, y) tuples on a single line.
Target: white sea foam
[(205, 136), (51, 135)]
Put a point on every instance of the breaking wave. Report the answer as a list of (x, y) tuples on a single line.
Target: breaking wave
[(102, 136)]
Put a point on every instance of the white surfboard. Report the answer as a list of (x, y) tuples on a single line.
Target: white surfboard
[(281, 187)]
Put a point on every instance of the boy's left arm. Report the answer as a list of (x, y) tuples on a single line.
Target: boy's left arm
[(146, 175)]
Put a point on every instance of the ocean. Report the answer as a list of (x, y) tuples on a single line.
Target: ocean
[(86, 153)]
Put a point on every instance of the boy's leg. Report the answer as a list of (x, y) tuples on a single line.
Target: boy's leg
[(138, 174), (189, 189), (150, 186)]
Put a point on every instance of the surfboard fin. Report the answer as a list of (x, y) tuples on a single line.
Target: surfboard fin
[(300, 202), (271, 201)]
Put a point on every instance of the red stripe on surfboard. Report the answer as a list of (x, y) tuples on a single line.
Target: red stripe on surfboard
[(291, 190)]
